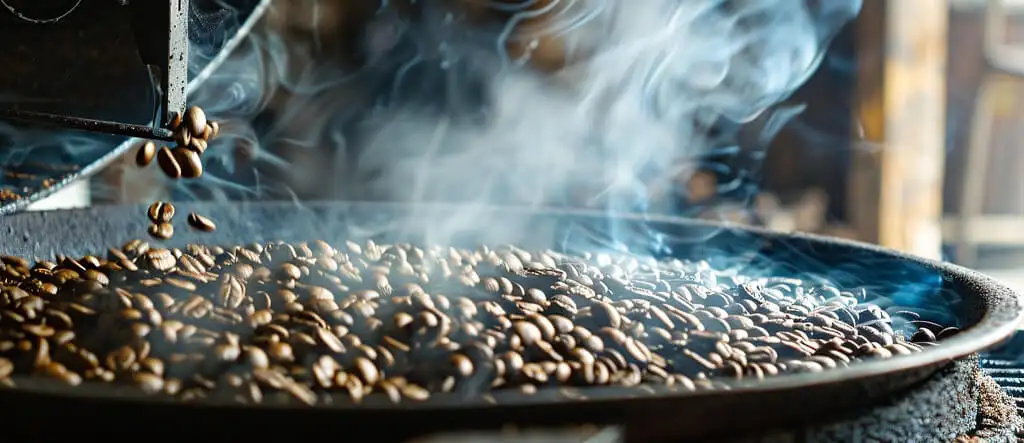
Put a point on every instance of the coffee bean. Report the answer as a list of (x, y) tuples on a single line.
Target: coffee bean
[(160, 212), (923, 335), (901, 349), (947, 332), (562, 305), (280, 351), (168, 163), (195, 120), (603, 314), (6, 368), (366, 370), (145, 154), (527, 332), (879, 352), (201, 223), (161, 231), (175, 121), (149, 383), (414, 392), (199, 144), (189, 162), (547, 328)]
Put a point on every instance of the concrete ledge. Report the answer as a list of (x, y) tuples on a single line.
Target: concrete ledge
[(74, 195)]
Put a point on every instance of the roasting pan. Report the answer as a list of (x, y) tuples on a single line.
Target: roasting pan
[(987, 311)]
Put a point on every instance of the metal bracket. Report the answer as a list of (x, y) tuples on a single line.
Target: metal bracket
[(161, 30)]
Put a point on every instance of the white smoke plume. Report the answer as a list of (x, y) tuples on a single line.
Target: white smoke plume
[(447, 107)]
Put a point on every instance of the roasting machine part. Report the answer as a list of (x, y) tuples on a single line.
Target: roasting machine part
[(107, 67), (66, 53), (987, 310)]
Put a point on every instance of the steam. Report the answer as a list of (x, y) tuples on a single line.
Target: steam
[(647, 81), (439, 105), (451, 108)]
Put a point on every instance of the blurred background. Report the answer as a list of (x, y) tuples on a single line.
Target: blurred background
[(909, 136)]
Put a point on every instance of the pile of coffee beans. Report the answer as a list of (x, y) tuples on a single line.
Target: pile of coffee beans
[(192, 135), (316, 323)]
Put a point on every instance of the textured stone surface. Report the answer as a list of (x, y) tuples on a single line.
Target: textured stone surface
[(957, 404)]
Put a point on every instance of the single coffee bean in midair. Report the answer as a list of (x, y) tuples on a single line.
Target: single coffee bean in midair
[(145, 154), (201, 223), (168, 164), (195, 120), (190, 163), (161, 231), (161, 212)]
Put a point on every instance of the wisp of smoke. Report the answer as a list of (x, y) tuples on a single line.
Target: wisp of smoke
[(654, 78), (444, 111)]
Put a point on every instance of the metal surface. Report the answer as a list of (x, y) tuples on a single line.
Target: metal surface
[(92, 69), (59, 122), (172, 56), (989, 310), (68, 57)]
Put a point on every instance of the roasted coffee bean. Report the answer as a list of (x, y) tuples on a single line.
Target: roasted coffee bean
[(6, 368), (189, 162), (161, 231), (199, 144), (168, 163), (145, 154), (947, 332), (195, 121), (175, 121), (923, 335), (528, 333), (160, 212), (603, 314), (201, 223)]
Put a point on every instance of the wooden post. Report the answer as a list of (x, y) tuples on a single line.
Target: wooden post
[(896, 186)]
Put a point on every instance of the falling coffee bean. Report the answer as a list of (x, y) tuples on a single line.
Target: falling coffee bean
[(162, 231), (145, 154), (168, 164), (201, 223), (175, 121), (195, 119), (161, 212), (189, 162)]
